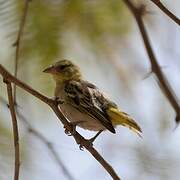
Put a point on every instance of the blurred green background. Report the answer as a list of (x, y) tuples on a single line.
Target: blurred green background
[(102, 37)]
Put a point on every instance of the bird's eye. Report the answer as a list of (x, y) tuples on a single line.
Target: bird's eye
[(62, 67)]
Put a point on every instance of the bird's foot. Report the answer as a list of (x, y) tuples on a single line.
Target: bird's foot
[(81, 147), (73, 131), (73, 127), (58, 100), (90, 141), (84, 143)]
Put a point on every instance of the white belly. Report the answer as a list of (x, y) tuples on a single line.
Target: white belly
[(85, 121)]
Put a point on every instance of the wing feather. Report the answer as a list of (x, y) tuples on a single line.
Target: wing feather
[(80, 96)]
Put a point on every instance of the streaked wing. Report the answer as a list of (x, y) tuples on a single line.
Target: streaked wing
[(81, 94)]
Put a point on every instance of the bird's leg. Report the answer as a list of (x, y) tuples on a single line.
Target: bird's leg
[(93, 138), (73, 124), (58, 100)]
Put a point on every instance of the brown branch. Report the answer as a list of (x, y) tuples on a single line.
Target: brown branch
[(18, 41), (48, 144), (138, 13), (166, 11), (54, 106), (85, 143), (44, 140), (15, 130), (32, 130)]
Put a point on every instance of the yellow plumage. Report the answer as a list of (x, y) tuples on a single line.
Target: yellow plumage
[(120, 118)]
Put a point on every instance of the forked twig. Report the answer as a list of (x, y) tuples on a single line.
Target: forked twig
[(138, 13), (43, 139), (54, 106)]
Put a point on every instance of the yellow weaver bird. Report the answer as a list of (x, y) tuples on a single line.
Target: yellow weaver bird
[(83, 104)]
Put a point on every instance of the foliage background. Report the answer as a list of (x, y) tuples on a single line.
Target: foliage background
[(103, 39)]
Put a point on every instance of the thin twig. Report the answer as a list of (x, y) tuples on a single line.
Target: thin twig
[(54, 106), (18, 41), (15, 130), (155, 67), (166, 11), (48, 144), (44, 140)]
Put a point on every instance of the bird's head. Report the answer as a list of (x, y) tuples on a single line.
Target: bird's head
[(64, 70)]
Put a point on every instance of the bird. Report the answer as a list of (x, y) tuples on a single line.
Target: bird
[(83, 104)]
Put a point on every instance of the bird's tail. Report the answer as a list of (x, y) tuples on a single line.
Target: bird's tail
[(120, 118)]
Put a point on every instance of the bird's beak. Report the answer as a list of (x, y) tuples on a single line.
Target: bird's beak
[(50, 69)]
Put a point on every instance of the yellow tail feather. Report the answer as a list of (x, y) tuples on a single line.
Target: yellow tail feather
[(120, 118)]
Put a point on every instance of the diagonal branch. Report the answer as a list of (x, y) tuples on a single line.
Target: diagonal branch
[(15, 130), (54, 106), (18, 41), (138, 13), (85, 143), (166, 11), (44, 140)]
